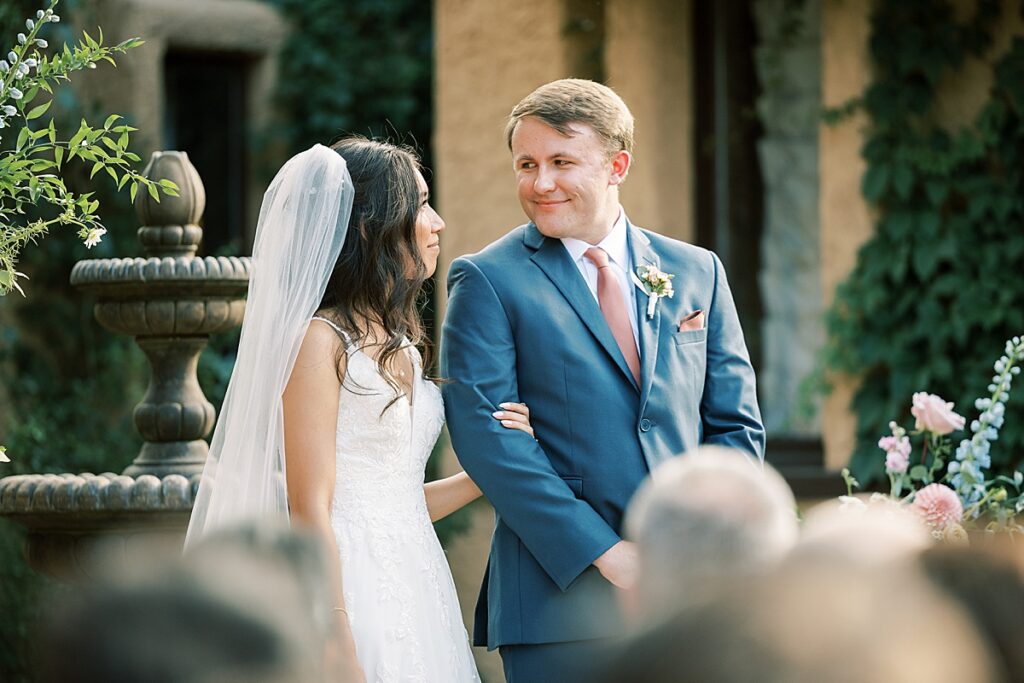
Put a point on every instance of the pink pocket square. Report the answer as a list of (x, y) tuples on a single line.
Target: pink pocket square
[(694, 321)]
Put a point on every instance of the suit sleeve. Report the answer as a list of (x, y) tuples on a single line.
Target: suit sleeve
[(478, 358), (729, 410)]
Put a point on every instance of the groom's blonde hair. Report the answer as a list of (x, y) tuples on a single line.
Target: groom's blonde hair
[(575, 100)]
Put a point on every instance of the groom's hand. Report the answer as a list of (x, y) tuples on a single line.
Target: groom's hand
[(618, 564)]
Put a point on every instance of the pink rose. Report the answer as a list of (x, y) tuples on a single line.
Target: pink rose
[(939, 506), (935, 415)]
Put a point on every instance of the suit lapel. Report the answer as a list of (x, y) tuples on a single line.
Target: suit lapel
[(552, 258), (648, 329)]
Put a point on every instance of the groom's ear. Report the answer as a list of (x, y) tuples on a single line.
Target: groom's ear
[(621, 161)]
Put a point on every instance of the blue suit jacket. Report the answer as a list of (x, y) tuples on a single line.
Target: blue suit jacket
[(522, 325)]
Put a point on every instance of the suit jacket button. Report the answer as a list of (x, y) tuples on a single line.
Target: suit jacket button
[(645, 425)]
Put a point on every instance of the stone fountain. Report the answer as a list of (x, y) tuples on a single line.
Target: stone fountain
[(171, 301)]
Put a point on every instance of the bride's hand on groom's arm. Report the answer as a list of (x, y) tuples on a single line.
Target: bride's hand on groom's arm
[(618, 564), (445, 496), (514, 416)]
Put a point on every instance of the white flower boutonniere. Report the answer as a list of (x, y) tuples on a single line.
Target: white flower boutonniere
[(656, 283)]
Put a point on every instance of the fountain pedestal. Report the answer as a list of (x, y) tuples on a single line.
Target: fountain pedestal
[(171, 301)]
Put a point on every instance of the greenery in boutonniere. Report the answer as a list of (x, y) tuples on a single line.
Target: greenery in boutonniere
[(656, 283)]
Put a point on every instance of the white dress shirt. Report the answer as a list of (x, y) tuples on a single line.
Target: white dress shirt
[(616, 245)]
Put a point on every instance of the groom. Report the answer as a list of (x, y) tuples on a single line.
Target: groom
[(572, 315)]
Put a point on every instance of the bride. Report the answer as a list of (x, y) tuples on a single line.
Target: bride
[(329, 417)]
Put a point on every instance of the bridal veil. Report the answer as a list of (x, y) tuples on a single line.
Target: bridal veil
[(299, 237)]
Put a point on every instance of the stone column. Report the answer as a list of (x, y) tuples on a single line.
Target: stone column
[(788, 63)]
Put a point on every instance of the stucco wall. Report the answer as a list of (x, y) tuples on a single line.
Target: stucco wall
[(845, 218), (649, 62), (488, 57)]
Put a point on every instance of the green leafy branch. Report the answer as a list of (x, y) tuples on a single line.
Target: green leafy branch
[(30, 171)]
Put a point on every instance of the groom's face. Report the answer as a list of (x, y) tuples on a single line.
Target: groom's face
[(567, 185)]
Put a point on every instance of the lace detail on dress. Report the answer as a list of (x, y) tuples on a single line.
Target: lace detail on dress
[(398, 588)]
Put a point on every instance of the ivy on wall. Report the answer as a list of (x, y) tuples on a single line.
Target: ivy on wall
[(360, 66), (937, 290)]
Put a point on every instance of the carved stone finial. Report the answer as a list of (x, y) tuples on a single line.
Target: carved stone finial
[(170, 226), (170, 302)]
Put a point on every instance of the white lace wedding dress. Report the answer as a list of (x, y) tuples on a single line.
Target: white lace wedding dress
[(398, 588)]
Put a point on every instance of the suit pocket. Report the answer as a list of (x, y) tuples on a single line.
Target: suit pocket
[(691, 355), (690, 336), (576, 484)]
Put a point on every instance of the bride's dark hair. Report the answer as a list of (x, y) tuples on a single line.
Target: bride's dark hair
[(379, 273)]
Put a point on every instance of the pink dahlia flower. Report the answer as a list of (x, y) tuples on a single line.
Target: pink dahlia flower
[(939, 506)]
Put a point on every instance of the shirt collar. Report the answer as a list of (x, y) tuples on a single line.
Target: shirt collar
[(615, 244)]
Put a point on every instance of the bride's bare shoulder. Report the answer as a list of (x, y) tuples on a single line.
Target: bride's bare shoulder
[(320, 346)]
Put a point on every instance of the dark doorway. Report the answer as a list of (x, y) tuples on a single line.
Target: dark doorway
[(206, 117), (729, 190)]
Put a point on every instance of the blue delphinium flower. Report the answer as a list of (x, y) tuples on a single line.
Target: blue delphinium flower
[(973, 455)]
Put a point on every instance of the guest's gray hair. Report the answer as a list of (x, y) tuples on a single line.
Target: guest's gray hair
[(706, 518)]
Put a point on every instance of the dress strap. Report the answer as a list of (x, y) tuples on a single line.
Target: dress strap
[(349, 346)]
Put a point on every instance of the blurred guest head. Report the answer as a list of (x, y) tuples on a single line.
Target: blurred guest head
[(811, 621), (989, 585), (875, 530), (239, 607), (704, 520)]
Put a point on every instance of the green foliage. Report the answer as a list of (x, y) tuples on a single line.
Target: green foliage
[(360, 66), (32, 160), (70, 387), (936, 291), (30, 166), (20, 593)]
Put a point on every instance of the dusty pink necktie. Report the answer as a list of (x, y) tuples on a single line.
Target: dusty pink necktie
[(609, 298)]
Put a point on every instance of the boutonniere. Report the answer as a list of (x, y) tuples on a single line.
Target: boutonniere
[(655, 282)]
